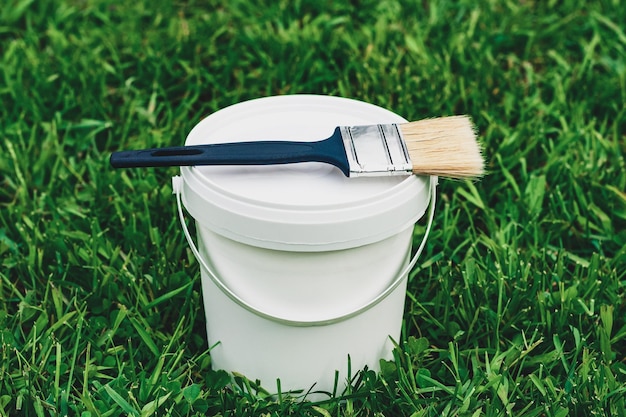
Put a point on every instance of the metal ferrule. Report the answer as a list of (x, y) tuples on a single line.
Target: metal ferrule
[(376, 149)]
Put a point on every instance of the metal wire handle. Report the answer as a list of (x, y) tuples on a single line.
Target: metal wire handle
[(177, 189)]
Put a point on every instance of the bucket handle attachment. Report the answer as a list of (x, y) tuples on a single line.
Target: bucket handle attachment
[(177, 189)]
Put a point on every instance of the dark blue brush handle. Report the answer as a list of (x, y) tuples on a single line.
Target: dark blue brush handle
[(329, 150)]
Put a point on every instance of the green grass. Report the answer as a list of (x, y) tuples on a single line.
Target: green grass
[(517, 306)]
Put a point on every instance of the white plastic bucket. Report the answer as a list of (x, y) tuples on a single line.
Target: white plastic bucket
[(300, 266)]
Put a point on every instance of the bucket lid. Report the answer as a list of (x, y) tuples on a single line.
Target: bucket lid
[(307, 206)]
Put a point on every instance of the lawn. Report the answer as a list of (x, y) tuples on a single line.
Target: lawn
[(517, 305)]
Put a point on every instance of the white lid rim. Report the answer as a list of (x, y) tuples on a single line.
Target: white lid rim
[(306, 229)]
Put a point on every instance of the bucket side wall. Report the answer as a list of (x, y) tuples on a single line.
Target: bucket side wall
[(301, 357)]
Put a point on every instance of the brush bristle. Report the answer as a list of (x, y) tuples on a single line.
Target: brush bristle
[(444, 146)]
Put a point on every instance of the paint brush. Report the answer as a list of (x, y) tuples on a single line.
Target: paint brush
[(444, 146)]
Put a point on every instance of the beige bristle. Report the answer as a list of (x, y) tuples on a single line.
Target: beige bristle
[(444, 146)]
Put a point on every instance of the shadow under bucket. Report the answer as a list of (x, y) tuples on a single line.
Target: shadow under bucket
[(300, 266)]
